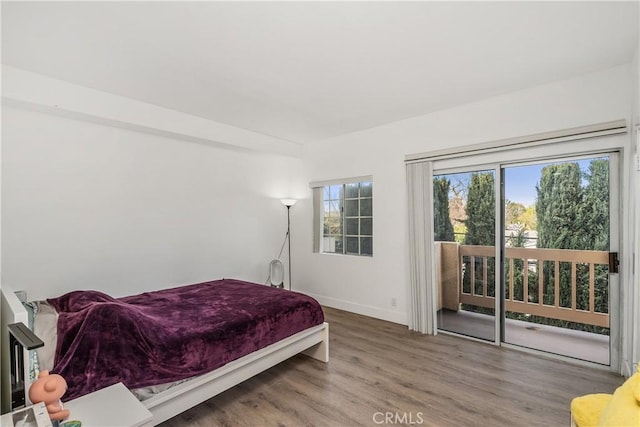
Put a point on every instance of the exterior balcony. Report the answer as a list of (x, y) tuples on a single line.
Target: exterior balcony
[(552, 339), (555, 312)]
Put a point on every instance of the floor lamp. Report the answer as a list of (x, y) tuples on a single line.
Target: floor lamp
[(288, 203)]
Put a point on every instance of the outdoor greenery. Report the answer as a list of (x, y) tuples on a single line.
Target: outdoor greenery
[(443, 228), (559, 198), (481, 202), (594, 211), (571, 211), (481, 205)]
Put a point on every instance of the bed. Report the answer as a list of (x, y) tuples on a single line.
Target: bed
[(266, 344)]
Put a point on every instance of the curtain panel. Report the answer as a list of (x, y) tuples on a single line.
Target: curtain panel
[(317, 218), (421, 256)]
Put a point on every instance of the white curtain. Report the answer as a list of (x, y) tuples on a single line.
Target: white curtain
[(632, 356), (422, 291), (317, 218)]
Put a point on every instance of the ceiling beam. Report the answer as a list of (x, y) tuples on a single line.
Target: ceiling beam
[(33, 91)]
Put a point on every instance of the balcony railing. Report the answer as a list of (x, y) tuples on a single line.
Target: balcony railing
[(478, 293)]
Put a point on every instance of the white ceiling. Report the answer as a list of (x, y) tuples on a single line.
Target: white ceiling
[(305, 71)]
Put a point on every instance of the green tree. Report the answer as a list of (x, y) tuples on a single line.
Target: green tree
[(459, 230), (573, 216), (593, 215), (559, 197), (442, 228), (481, 210), (529, 218), (517, 240), (480, 230), (512, 212), (594, 221), (457, 210)]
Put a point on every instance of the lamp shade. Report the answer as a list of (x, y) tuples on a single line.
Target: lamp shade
[(288, 202)]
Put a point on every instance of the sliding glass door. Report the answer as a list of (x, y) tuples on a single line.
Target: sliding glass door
[(553, 227), (465, 235), (558, 236)]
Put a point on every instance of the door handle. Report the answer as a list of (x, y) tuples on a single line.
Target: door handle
[(614, 262)]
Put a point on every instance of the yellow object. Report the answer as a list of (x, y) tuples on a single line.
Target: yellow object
[(586, 410), (622, 409), (636, 392)]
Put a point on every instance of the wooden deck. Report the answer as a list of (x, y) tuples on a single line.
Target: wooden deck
[(380, 369), (577, 344)]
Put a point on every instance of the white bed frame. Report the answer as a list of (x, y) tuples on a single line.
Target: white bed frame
[(313, 342)]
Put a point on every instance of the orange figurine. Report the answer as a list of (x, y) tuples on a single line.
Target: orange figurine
[(49, 388)]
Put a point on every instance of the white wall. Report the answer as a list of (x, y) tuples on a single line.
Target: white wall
[(367, 285), (90, 206), (634, 320)]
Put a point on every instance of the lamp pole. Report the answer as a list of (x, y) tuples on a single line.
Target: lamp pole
[(289, 239), (288, 203)]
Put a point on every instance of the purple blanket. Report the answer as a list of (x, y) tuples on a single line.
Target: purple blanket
[(172, 334)]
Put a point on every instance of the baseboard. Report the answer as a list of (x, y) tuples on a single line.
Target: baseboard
[(365, 310)]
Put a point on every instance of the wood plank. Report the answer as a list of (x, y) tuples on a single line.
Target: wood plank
[(556, 284), (511, 296), (472, 278), (561, 313), (487, 251), (540, 282), (478, 300), (378, 366), (525, 280), (485, 279), (592, 286), (574, 278), (562, 255)]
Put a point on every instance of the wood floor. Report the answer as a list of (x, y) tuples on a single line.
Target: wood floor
[(380, 369)]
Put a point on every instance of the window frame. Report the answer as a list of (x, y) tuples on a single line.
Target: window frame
[(324, 196)]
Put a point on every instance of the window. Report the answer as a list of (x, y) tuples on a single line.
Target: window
[(347, 217)]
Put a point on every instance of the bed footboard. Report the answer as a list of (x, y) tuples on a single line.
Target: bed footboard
[(313, 342), (320, 351)]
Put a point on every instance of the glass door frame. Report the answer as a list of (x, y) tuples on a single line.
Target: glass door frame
[(615, 220), (498, 324)]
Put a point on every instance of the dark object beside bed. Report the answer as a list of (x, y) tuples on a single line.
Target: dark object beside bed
[(173, 334)]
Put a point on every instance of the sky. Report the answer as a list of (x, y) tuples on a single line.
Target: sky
[(521, 181)]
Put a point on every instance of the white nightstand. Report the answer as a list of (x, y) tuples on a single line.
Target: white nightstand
[(113, 406), (31, 415)]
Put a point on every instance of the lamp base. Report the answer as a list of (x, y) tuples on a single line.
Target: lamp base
[(279, 286)]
